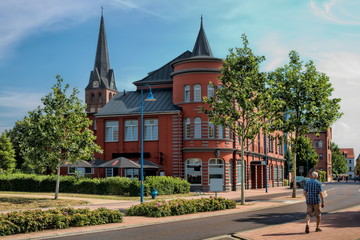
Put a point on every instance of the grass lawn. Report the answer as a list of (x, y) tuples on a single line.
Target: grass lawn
[(24, 203)]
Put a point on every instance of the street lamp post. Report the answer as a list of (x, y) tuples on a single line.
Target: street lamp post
[(150, 98)]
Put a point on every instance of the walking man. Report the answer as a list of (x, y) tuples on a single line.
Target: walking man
[(313, 193)]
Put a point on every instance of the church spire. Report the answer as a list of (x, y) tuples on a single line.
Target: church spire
[(202, 47), (102, 62)]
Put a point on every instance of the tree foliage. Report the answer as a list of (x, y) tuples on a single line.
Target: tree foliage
[(7, 154), (58, 132), (306, 154), (338, 160), (305, 99), (241, 102)]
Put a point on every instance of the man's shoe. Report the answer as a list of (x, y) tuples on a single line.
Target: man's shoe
[(307, 229), (318, 230)]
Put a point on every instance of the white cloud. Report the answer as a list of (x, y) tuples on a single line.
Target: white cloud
[(336, 11)]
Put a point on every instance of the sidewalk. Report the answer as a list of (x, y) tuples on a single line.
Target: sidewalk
[(347, 228)]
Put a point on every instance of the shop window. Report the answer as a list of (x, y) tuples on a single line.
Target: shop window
[(193, 170)]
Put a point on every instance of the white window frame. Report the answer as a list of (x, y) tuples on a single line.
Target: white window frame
[(131, 130), (197, 127), (197, 93), (111, 131), (107, 172), (211, 90), (211, 130), (187, 93), (151, 132)]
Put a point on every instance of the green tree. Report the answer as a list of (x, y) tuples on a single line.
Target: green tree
[(58, 132), (241, 101), (305, 96), (7, 154), (338, 160), (306, 154)]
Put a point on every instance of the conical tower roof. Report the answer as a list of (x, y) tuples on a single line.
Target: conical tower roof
[(202, 47)]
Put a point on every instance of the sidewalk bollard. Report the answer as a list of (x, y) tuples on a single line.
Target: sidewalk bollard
[(154, 193)]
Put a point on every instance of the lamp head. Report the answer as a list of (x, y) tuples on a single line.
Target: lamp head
[(150, 97)]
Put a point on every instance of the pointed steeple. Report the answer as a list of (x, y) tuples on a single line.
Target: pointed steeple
[(202, 47), (102, 62), (102, 76)]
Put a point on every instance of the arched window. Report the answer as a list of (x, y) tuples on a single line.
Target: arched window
[(100, 98), (187, 93), (193, 170), (197, 93), (92, 100), (197, 127), (211, 90), (187, 128)]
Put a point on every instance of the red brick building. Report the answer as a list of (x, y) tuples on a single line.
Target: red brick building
[(178, 138), (322, 145)]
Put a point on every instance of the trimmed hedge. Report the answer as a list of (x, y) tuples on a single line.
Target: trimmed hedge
[(37, 220), (180, 207), (102, 186)]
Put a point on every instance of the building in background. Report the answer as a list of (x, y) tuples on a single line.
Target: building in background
[(350, 160), (322, 145)]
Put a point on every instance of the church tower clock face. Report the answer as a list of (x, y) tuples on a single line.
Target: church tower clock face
[(95, 84)]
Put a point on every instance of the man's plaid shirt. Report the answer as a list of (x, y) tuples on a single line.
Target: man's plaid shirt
[(313, 188)]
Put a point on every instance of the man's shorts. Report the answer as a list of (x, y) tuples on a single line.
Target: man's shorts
[(313, 210)]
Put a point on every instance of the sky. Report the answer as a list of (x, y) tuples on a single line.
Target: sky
[(40, 39)]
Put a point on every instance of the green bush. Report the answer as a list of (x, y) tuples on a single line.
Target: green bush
[(105, 186), (286, 182), (38, 220), (180, 207), (322, 176)]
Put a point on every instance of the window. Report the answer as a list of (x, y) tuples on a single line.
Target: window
[(197, 127), (100, 98), (211, 91), (132, 173), (216, 168), (92, 98), (109, 172), (193, 170), (187, 93), (197, 93), (131, 130), (94, 124), (220, 132), (349, 161), (318, 144), (151, 129), (321, 157), (187, 128), (89, 170), (111, 131), (71, 170), (211, 130), (349, 168), (276, 173), (238, 171)]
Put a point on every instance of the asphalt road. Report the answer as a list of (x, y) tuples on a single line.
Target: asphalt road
[(339, 196)]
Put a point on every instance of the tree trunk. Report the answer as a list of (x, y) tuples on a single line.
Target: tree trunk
[(294, 166), (57, 183), (242, 173), (234, 183)]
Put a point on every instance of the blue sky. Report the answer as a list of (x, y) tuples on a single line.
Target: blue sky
[(42, 38)]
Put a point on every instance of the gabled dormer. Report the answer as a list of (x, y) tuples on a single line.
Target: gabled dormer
[(101, 87)]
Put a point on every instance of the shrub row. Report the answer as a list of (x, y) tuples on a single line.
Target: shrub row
[(103, 186), (36, 220), (180, 206)]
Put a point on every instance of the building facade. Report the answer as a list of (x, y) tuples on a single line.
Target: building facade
[(178, 139), (322, 145), (350, 160)]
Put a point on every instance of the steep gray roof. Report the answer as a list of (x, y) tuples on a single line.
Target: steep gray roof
[(202, 46), (102, 72), (162, 75), (128, 103)]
